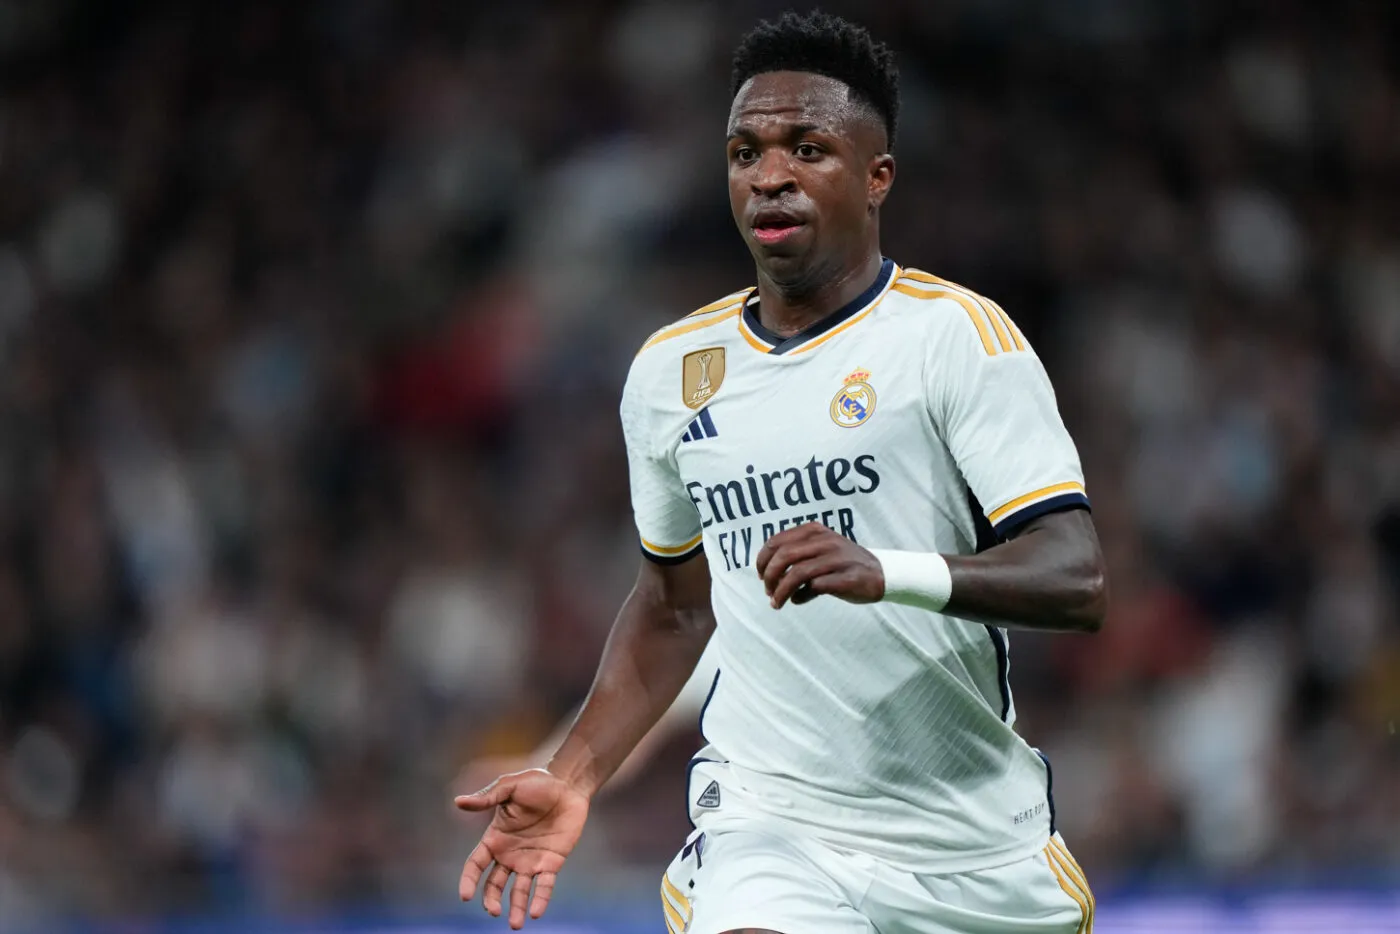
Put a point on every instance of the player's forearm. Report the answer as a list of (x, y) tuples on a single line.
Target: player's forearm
[(1050, 576), (654, 646)]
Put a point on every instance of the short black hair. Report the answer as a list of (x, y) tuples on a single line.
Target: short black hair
[(827, 45)]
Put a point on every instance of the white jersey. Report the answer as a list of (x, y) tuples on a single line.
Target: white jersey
[(880, 728)]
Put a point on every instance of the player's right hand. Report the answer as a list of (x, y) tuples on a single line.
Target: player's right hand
[(537, 822), (809, 560)]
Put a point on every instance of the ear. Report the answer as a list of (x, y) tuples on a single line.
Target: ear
[(880, 178)]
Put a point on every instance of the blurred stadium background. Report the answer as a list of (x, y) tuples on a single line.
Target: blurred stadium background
[(313, 320)]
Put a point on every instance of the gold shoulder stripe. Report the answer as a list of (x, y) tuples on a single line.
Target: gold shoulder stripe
[(982, 301), (1010, 325), (722, 303), (726, 307), (973, 313), (676, 330), (1002, 337), (677, 550), (920, 276), (1001, 512)]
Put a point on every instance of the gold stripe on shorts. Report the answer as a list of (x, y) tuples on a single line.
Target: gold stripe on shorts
[(1072, 888), (674, 922), (1078, 875), (676, 904)]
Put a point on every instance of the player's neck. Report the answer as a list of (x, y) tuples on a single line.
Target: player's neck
[(790, 308)]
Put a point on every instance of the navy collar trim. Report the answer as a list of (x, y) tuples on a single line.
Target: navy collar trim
[(782, 344)]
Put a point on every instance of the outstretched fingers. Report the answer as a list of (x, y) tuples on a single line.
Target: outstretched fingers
[(519, 901), (493, 894), (544, 888), (477, 863)]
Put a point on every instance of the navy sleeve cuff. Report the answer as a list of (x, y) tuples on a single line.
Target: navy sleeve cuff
[(1010, 525), (679, 558)]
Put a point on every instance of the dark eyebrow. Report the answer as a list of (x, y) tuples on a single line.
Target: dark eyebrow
[(799, 129)]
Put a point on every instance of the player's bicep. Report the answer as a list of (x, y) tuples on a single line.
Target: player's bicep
[(674, 600), (999, 418), (682, 590)]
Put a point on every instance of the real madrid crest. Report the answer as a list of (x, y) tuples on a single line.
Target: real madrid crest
[(702, 372), (855, 401)]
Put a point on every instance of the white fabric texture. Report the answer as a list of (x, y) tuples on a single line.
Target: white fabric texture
[(884, 729)]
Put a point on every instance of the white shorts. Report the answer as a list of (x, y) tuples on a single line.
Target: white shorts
[(730, 879)]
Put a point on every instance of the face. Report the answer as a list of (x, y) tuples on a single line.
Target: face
[(807, 173)]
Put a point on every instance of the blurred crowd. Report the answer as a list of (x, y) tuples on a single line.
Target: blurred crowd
[(313, 322)]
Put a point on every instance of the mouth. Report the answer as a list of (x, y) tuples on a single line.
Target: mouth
[(775, 227)]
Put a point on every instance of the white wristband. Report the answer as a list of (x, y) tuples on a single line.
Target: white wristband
[(915, 578)]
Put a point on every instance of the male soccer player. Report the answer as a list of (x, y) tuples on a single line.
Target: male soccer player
[(854, 475)]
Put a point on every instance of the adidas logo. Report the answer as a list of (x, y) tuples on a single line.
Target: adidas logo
[(702, 426), (709, 798)]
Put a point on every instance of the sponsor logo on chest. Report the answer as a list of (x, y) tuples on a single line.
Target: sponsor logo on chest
[(751, 503)]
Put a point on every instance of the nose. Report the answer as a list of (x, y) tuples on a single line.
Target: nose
[(773, 174)]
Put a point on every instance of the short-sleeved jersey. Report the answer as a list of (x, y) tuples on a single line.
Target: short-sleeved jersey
[(909, 419)]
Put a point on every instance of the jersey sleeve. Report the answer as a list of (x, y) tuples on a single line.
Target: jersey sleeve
[(668, 524), (994, 404)]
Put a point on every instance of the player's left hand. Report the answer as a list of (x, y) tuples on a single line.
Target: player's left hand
[(809, 560)]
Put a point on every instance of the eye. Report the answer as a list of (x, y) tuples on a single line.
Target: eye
[(808, 150), (744, 154)]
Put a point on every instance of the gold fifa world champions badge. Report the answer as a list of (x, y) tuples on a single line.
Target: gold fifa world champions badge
[(702, 374), (855, 401)]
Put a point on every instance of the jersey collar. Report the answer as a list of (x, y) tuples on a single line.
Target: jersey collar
[(762, 339)]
